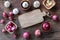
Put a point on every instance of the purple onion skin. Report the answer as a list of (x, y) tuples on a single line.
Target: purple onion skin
[(46, 26), (55, 17)]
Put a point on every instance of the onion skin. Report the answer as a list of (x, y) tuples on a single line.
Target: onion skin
[(55, 17), (46, 26), (11, 14), (3, 30), (2, 21), (26, 35), (10, 18), (4, 15), (11, 27), (37, 33), (15, 36)]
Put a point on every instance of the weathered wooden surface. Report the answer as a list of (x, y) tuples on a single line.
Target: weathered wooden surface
[(53, 35)]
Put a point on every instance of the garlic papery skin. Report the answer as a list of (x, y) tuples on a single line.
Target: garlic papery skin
[(36, 4), (7, 4)]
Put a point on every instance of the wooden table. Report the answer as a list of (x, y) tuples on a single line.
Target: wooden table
[(53, 35)]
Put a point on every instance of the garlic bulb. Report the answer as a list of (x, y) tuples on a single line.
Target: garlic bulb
[(36, 4), (7, 4), (15, 11), (25, 4)]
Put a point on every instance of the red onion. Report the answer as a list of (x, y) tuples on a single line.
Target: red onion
[(2, 21), (15, 36), (55, 17), (10, 18), (4, 15), (8, 26), (46, 26), (3, 30), (10, 23), (26, 35), (11, 14), (9, 29), (13, 28), (37, 33)]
